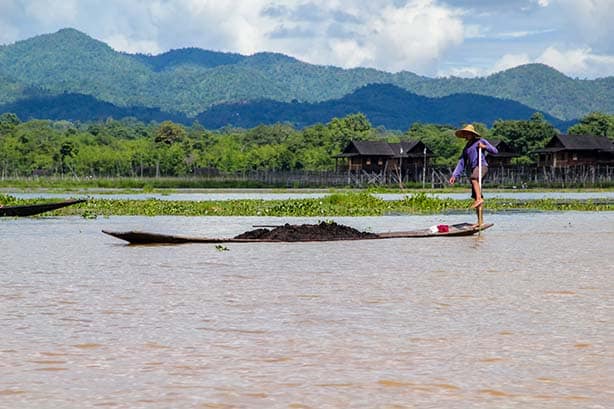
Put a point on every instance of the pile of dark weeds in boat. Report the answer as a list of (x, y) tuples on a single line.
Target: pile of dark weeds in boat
[(307, 232)]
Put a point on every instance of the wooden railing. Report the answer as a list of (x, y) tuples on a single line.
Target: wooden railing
[(430, 177)]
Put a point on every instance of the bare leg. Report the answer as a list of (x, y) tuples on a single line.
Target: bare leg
[(478, 194)]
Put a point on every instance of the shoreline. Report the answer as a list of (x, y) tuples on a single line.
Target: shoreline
[(456, 189)]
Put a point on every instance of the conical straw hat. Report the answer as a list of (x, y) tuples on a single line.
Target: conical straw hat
[(467, 131)]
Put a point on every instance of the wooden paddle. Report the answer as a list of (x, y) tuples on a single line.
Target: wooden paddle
[(480, 207)]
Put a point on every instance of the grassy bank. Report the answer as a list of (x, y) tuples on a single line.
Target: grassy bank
[(337, 204)]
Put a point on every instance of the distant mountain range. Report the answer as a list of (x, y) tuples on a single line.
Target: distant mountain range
[(69, 75), (384, 104)]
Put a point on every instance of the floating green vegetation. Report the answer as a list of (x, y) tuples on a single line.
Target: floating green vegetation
[(8, 200), (336, 204)]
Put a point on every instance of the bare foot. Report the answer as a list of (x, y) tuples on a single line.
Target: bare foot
[(477, 203)]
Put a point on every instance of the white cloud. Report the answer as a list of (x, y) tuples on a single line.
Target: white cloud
[(230, 25), (21, 19), (506, 62), (509, 61), (475, 31), (590, 20), (521, 34), (51, 11), (413, 37), (350, 52), (386, 34), (578, 62), (463, 72), (123, 43), (377, 34), (9, 31)]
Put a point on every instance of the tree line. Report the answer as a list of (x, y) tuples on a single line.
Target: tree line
[(132, 148)]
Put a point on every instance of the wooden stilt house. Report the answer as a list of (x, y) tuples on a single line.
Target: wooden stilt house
[(571, 150), (410, 156), (505, 155), (379, 157), (368, 156)]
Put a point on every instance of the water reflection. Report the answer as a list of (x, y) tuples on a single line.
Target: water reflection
[(519, 316)]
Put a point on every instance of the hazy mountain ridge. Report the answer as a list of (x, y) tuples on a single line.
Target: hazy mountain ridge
[(83, 108), (190, 81), (384, 105)]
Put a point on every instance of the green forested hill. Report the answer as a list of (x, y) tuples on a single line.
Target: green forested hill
[(71, 61), (9, 88), (383, 104), (190, 81), (537, 86), (83, 108)]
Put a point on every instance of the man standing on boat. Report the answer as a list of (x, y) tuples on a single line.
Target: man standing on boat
[(473, 159)]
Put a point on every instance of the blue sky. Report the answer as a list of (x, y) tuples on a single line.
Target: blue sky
[(434, 38)]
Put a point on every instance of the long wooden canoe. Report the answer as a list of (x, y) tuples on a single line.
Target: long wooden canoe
[(139, 237), (31, 210)]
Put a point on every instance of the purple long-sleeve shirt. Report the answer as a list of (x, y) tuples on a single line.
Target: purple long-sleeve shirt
[(469, 157)]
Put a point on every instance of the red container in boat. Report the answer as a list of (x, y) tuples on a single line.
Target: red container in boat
[(443, 228)]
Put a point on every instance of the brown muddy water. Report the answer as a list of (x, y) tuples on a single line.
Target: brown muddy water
[(520, 317)]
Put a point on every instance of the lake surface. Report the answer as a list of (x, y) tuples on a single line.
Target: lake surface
[(519, 317), (265, 195)]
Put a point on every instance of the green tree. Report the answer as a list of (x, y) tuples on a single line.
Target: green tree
[(166, 136), (226, 154), (169, 133), (595, 123), (8, 123), (67, 150), (268, 134), (438, 138), (269, 157), (353, 127), (316, 158), (524, 136), (38, 146), (9, 156)]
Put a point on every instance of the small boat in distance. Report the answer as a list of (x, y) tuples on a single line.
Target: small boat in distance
[(31, 210)]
